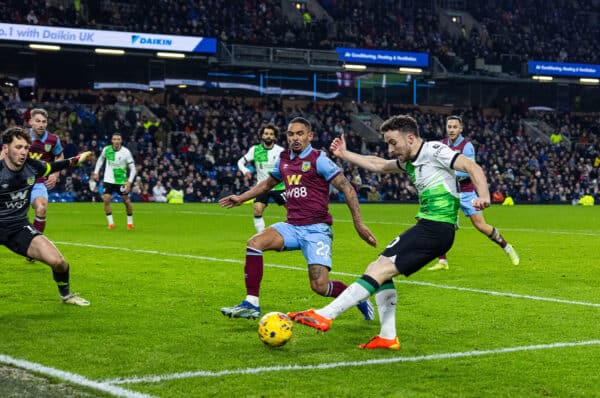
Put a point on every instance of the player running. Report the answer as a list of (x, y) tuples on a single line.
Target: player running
[(18, 173), (460, 144)]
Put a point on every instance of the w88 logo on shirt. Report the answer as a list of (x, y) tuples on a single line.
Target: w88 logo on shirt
[(296, 192)]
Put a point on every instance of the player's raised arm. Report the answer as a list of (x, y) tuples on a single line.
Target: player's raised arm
[(367, 162), (236, 200), (342, 184)]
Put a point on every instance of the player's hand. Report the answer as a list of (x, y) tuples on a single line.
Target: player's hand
[(94, 176), (338, 146), (248, 175), (366, 234), (83, 157), (127, 188), (51, 181), (480, 203), (230, 201)]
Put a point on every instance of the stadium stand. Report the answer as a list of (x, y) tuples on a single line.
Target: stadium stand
[(195, 139)]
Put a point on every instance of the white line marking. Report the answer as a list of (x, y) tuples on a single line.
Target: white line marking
[(71, 377), (590, 232), (228, 260), (431, 357)]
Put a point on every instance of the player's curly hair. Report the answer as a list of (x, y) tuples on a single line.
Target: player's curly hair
[(15, 132), (270, 126), (401, 123)]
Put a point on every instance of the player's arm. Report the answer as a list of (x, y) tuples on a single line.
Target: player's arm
[(367, 162), (462, 163), (469, 153), (260, 188), (342, 184), (241, 163), (48, 168), (53, 178), (99, 163), (132, 173)]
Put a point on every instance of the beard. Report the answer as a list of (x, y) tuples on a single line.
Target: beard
[(268, 142)]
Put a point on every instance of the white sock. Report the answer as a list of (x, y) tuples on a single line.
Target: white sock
[(110, 219), (253, 300), (386, 307), (130, 219), (353, 294), (259, 224)]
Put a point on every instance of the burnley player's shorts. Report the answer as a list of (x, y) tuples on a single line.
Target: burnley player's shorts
[(17, 235), (112, 188), (39, 190), (420, 244), (466, 203), (314, 240), (278, 196)]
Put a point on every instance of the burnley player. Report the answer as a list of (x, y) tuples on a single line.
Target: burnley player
[(306, 173), (18, 173), (460, 144), (47, 147)]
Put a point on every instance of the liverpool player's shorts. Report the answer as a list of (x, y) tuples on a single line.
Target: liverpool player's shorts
[(314, 240), (112, 188), (17, 235), (420, 244), (39, 190), (278, 196)]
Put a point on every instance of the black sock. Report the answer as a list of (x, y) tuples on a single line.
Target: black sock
[(62, 281)]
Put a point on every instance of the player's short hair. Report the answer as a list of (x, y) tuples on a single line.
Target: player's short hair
[(303, 121), (269, 126), (38, 111), (15, 132), (116, 133), (454, 117), (401, 123)]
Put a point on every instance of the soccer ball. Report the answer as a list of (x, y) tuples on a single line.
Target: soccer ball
[(275, 329)]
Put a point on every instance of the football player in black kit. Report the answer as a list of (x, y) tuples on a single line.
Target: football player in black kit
[(18, 173)]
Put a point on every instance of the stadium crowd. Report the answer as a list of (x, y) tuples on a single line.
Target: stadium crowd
[(194, 143), (505, 33)]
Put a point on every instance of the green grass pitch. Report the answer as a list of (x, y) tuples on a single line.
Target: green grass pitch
[(482, 328)]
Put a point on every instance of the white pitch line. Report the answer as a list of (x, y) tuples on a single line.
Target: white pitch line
[(428, 284), (331, 365), (593, 233), (71, 377)]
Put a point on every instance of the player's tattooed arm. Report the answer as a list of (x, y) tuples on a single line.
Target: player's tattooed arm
[(343, 185)]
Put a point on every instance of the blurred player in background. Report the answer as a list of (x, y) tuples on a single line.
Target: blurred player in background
[(18, 174), (460, 144), (264, 156), (306, 173), (47, 147), (118, 160)]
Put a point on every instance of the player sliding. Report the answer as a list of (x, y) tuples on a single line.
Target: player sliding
[(307, 173), (430, 166)]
